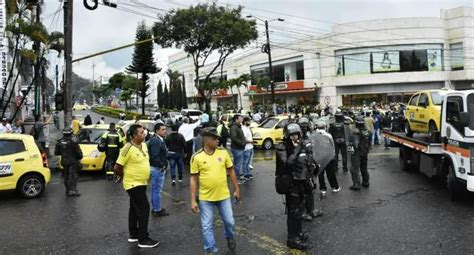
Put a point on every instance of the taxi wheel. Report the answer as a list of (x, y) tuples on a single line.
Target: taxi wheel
[(31, 185), (457, 190), (408, 130), (267, 144)]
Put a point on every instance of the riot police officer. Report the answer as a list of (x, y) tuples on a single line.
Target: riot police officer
[(112, 143), (71, 155), (294, 156), (338, 132), (359, 146), (310, 213)]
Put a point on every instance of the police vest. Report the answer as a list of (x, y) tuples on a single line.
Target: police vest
[(339, 133), (113, 140)]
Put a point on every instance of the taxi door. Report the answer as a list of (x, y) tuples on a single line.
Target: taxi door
[(411, 110), (14, 161), (422, 113), (277, 133)]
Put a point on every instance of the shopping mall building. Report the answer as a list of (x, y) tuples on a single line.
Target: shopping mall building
[(360, 62)]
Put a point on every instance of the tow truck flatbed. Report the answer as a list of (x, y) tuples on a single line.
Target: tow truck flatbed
[(419, 142)]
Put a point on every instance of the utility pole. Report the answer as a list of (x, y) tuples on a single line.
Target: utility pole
[(68, 11), (270, 71), (36, 48), (57, 78), (93, 82)]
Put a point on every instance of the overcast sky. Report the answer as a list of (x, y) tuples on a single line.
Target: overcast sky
[(106, 28)]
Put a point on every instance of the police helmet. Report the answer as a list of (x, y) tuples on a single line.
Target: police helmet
[(291, 129), (339, 116), (320, 124), (303, 122), (360, 123), (67, 131)]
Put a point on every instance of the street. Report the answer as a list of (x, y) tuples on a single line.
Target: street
[(401, 213)]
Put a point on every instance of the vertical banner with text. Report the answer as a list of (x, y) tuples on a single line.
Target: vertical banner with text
[(3, 44)]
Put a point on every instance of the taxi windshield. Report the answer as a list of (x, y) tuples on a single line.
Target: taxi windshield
[(90, 135), (436, 98), (269, 123)]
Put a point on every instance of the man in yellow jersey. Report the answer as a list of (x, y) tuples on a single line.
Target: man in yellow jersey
[(75, 125), (210, 167), (134, 167)]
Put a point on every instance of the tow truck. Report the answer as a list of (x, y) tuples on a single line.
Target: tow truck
[(449, 155)]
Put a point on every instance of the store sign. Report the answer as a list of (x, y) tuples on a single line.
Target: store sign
[(386, 61), (281, 86), (3, 44)]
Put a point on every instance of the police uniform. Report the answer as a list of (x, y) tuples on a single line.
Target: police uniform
[(300, 164), (337, 130), (113, 144), (359, 146), (71, 154)]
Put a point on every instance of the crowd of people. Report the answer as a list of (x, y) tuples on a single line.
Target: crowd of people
[(310, 151)]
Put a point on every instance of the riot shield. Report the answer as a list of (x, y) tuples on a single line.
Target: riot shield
[(323, 150)]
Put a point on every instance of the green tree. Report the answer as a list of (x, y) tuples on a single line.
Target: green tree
[(127, 83), (175, 89), (143, 61), (238, 82), (202, 30), (160, 95), (166, 98)]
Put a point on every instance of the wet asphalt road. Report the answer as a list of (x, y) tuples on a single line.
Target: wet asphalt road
[(401, 213)]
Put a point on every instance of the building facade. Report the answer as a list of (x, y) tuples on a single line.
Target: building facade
[(361, 62)]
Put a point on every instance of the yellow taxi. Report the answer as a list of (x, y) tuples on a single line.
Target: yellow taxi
[(88, 138), (22, 165), (270, 132), (423, 112), (79, 107)]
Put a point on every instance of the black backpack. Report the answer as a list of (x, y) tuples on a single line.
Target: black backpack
[(364, 141)]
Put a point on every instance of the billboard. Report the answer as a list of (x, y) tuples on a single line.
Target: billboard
[(357, 63), (385, 61), (434, 60)]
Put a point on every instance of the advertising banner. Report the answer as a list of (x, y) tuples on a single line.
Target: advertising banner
[(386, 61), (434, 60)]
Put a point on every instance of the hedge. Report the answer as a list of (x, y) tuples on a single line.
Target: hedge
[(115, 113)]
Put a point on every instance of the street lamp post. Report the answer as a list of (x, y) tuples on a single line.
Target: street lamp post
[(267, 49)]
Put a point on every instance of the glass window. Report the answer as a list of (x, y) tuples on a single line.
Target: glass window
[(339, 65), (90, 135), (454, 105), (387, 61), (423, 100), (457, 56), (299, 70), (435, 62), (269, 123), (436, 98), (282, 123), (413, 60), (258, 73), (414, 99), (8, 147), (470, 109), (279, 73), (357, 64)]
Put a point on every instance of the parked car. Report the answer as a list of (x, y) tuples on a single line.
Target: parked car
[(270, 132), (193, 114), (89, 137), (423, 112), (23, 166), (79, 107)]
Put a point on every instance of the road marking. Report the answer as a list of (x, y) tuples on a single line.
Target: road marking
[(260, 240)]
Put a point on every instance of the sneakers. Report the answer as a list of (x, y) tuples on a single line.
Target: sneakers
[(133, 239), (148, 243), (304, 236), (297, 244), (250, 177), (180, 180), (242, 180), (316, 213), (160, 213), (323, 193), (355, 187), (173, 182), (73, 193), (306, 217), (231, 244), (365, 185), (335, 190)]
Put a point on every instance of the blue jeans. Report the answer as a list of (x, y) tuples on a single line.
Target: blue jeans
[(157, 180), (176, 159), (247, 157), (238, 160), (207, 221), (375, 136)]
